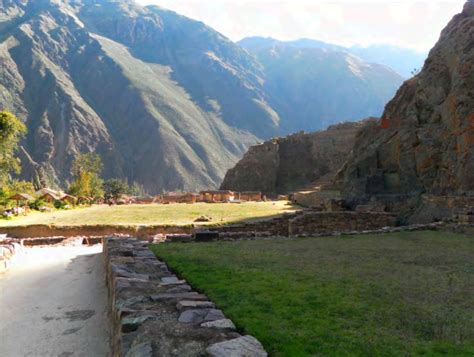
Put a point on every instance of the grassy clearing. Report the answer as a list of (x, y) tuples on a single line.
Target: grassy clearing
[(388, 295), (172, 214)]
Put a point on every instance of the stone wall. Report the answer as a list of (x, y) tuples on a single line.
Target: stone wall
[(310, 222), (437, 208), (44, 230), (321, 223), (154, 313)]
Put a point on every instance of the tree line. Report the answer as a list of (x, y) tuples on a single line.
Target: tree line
[(86, 169)]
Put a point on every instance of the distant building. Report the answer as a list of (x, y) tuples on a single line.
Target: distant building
[(179, 197), (69, 199), (49, 195), (250, 196), (216, 196)]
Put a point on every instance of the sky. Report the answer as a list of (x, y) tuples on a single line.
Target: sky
[(409, 24)]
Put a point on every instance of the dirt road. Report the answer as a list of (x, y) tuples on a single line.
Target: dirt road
[(53, 303)]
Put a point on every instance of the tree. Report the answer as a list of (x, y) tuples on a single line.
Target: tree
[(115, 188), (86, 170), (90, 162), (11, 131), (137, 190)]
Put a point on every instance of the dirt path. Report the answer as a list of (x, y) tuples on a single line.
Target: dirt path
[(53, 303)]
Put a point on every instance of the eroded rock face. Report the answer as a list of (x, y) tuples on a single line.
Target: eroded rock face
[(425, 141), (284, 164)]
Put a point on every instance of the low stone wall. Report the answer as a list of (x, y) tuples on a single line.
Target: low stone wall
[(329, 222), (154, 313), (437, 208), (9, 249), (310, 222), (45, 230), (277, 226)]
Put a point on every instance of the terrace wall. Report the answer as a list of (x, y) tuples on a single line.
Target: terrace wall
[(44, 230)]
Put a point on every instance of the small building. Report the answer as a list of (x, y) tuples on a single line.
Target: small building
[(69, 199), (21, 197), (179, 197), (216, 196), (250, 196), (22, 200), (49, 195), (145, 200)]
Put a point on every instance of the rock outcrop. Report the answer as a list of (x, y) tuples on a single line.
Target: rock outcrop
[(286, 164), (424, 143)]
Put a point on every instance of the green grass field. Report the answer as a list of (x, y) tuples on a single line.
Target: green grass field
[(172, 214), (407, 294)]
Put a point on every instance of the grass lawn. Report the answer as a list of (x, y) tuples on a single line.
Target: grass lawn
[(400, 294), (172, 214)]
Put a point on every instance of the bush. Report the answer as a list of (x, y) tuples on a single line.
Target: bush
[(58, 204), (37, 204)]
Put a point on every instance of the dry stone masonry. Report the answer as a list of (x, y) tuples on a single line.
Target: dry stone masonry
[(154, 313)]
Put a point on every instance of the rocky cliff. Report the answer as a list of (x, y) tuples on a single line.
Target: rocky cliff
[(290, 163), (424, 142)]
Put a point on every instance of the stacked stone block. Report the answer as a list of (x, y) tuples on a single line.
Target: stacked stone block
[(154, 313)]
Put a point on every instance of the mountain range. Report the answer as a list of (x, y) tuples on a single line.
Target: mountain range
[(166, 101), (404, 61)]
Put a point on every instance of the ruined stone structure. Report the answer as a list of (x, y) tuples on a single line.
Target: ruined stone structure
[(282, 165), (216, 196)]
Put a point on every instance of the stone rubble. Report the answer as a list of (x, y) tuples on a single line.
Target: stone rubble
[(154, 313)]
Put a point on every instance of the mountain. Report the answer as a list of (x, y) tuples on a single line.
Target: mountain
[(282, 165), (313, 87), (165, 100), (424, 143), (404, 61)]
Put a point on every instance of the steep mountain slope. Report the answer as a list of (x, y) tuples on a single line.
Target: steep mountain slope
[(281, 165), (401, 60), (313, 87), (425, 140), (404, 61), (107, 76)]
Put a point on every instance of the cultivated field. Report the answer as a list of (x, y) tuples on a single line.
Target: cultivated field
[(388, 295), (172, 214)]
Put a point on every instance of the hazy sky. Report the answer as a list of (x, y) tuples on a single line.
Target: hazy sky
[(405, 23)]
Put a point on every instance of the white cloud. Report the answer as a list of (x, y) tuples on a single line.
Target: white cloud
[(405, 23)]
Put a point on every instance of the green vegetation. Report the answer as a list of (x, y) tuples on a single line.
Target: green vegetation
[(86, 170), (11, 131), (387, 295), (115, 188), (171, 214)]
